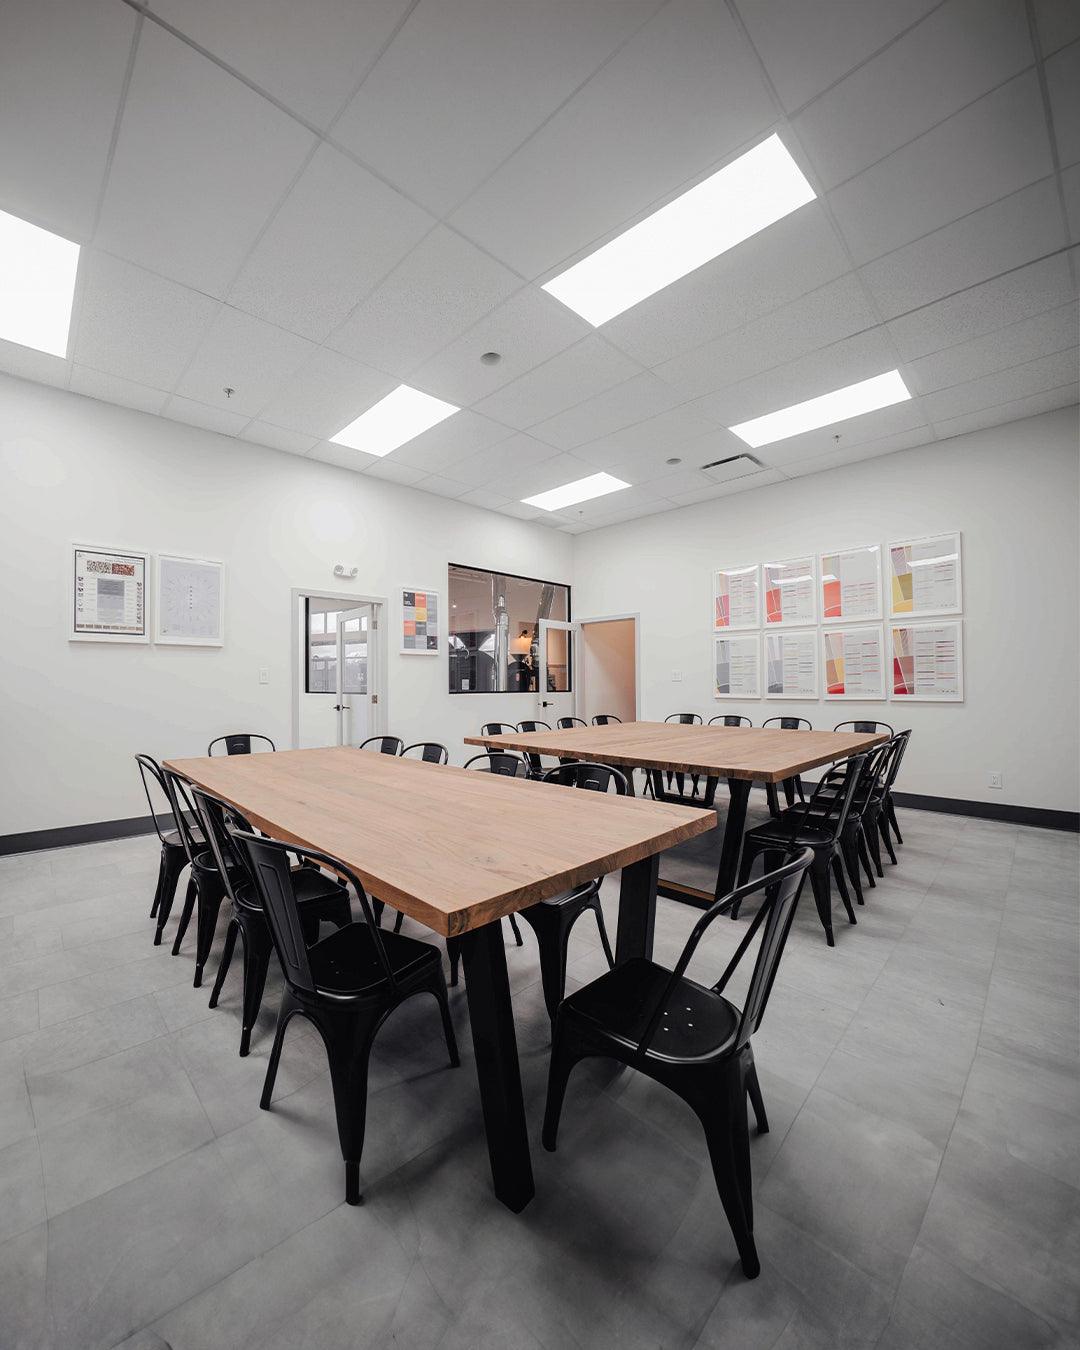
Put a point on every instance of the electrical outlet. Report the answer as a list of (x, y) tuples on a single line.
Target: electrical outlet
[(676, 676), (995, 780), (264, 676)]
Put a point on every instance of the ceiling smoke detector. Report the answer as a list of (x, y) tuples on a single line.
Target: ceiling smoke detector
[(491, 358)]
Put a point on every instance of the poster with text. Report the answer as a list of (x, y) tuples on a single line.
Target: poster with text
[(107, 601), (736, 667), (736, 597), (924, 576), (790, 593), (851, 584), (419, 622), (928, 662), (791, 665), (854, 663), (189, 608)]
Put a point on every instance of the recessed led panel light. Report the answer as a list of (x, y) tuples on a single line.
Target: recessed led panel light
[(851, 401), (37, 285), (583, 490), (745, 196), (395, 419)]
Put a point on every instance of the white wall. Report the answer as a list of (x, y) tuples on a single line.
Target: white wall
[(1011, 490), (72, 714)]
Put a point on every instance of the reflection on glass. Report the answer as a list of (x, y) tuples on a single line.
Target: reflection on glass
[(494, 632), (322, 626)]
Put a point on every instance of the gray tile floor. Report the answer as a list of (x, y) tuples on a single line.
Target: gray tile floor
[(920, 1186)]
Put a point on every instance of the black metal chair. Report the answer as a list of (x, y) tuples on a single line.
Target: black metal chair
[(686, 720), (690, 1038), (346, 986), (239, 743), (318, 897), (431, 752), (730, 720), (568, 723), (605, 719), (886, 810), (792, 786), (865, 728), (855, 845), (383, 745), (499, 729), (174, 856), (817, 824), (206, 887), (533, 760)]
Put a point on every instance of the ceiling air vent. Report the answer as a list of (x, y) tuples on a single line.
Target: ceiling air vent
[(736, 466)]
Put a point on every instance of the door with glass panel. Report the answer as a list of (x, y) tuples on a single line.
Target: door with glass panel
[(557, 648), (357, 700)]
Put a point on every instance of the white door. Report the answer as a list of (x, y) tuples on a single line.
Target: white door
[(555, 696), (357, 698)]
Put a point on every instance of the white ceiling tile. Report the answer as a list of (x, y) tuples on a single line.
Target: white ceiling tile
[(465, 81), (527, 329), (442, 288), (310, 56), (921, 79), (1063, 82), (673, 480), (644, 506), (1004, 386), (521, 512), (115, 389), (442, 487), (642, 448), (807, 47), (1020, 342), (278, 438), (854, 454), (327, 393), (833, 311), (241, 353), (199, 165), (1058, 22), (138, 325), (682, 96), (338, 233), (62, 65), (762, 479), (342, 456), (1070, 187), (451, 441), (900, 418), (490, 501), (571, 377), (526, 480), (29, 364), (202, 415), (791, 258), (1046, 401), (518, 452), (640, 397), (1005, 235), (394, 472), (615, 505), (990, 149), (983, 309)]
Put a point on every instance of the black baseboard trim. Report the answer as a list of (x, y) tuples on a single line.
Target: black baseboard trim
[(1041, 816), (64, 836)]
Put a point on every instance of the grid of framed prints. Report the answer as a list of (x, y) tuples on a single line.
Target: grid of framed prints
[(109, 597)]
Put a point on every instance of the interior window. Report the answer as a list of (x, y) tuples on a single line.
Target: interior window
[(495, 632)]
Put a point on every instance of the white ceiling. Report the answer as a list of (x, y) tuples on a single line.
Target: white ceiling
[(311, 203)]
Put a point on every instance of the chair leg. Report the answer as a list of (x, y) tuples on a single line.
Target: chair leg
[(160, 879), (286, 1013), (851, 862), (516, 930), (789, 791), (883, 830), (210, 892), (377, 907), (552, 933), (729, 1153), (753, 1091), (864, 858), (564, 1055), (185, 917), (348, 1039), (746, 866), (772, 798), (841, 886), (398, 922), (257, 949), (819, 882), (598, 910), (892, 821), (226, 960), (873, 842), (438, 988), (453, 951)]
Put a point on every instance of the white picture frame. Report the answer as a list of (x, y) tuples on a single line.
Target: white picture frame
[(736, 599), (859, 646), (792, 645), (794, 582), (189, 601), (938, 588), (849, 585), (117, 615), (909, 662), (749, 664), (433, 643)]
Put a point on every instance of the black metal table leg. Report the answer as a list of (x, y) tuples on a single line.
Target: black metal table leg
[(637, 909), (731, 852), (487, 987)]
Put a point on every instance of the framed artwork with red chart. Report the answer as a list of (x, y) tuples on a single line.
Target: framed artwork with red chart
[(419, 621)]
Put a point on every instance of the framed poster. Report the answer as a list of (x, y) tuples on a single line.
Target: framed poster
[(189, 603), (791, 665), (854, 662), (928, 662), (790, 593), (107, 594), (736, 598), (419, 621), (851, 584), (737, 666), (924, 576)]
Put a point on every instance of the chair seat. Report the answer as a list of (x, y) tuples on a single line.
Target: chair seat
[(698, 1023), (171, 838), (777, 834), (583, 892), (346, 964)]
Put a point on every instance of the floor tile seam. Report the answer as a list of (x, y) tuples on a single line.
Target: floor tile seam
[(85, 975)]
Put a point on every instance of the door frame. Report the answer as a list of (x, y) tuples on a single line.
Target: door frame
[(380, 711), (611, 618)]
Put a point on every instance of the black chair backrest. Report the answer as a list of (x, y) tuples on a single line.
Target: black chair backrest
[(431, 752), (184, 813), (687, 719), (498, 761), (215, 816), (526, 727), (157, 774), (789, 723), (566, 723), (604, 719), (899, 744), (498, 729), (383, 745), (730, 720), (239, 743), (865, 728), (593, 777), (831, 805)]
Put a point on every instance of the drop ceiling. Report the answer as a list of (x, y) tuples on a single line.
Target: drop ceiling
[(315, 207)]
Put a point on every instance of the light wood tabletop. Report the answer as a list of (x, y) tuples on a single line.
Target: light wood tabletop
[(451, 848)]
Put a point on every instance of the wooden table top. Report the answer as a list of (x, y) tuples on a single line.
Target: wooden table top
[(452, 848), (764, 754)]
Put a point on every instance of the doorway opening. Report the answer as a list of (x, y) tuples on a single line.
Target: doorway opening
[(588, 667), (339, 669)]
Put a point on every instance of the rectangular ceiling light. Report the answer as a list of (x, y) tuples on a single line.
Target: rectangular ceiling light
[(851, 401), (583, 490), (395, 419), (37, 285), (745, 196)]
